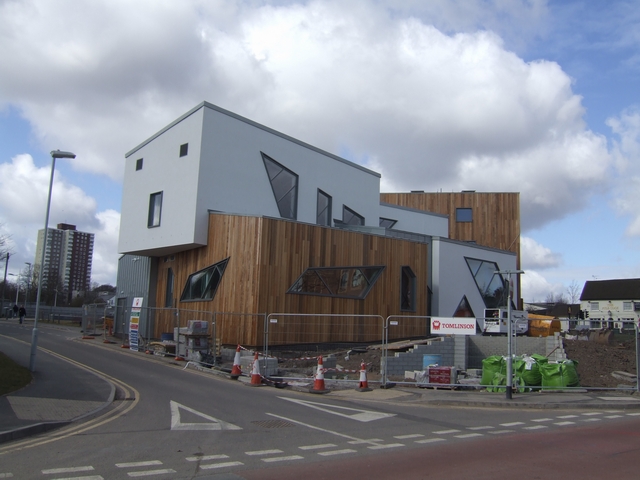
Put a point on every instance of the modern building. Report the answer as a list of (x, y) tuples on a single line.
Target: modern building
[(68, 256), (240, 220), (611, 303)]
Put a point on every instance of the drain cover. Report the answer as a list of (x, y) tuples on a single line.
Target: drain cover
[(273, 423)]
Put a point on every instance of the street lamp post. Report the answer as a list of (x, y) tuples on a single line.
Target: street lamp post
[(34, 336), (17, 286), (26, 292), (509, 331)]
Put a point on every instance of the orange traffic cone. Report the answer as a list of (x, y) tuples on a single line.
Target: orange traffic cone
[(236, 371), (256, 379), (363, 386), (318, 384)]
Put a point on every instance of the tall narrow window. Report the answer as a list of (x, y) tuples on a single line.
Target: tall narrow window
[(155, 209), (285, 187), (184, 149), (168, 297), (408, 290), (323, 211), (351, 217)]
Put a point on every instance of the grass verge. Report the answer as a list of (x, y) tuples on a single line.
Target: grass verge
[(12, 376)]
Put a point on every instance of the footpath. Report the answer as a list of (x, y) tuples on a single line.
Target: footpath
[(62, 392)]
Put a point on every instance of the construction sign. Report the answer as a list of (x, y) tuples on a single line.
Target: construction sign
[(134, 323)]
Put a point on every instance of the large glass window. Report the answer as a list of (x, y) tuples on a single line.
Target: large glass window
[(155, 209), (285, 187), (408, 290), (202, 285), (347, 282), (464, 215), (351, 217), (464, 309), (323, 211), (490, 284), (387, 222)]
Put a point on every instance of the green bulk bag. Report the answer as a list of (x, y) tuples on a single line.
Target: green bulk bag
[(559, 375), (490, 366)]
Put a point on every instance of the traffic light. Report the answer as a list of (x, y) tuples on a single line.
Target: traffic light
[(581, 314), (586, 314)]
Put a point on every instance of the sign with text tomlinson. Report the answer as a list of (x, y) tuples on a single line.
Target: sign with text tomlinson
[(453, 326)]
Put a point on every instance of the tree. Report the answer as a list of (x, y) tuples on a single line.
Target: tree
[(573, 290)]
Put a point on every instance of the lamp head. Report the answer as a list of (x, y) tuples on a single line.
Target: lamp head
[(61, 154)]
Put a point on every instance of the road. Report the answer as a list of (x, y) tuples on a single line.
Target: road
[(168, 422)]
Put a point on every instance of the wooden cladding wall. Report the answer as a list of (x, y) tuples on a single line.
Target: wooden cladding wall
[(266, 256), (496, 216)]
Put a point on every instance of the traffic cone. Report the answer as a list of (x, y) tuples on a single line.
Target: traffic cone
[(363, 386), (318, 384), (236, 371), (256, 379)]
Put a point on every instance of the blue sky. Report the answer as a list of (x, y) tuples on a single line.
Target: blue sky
[(539, 97)]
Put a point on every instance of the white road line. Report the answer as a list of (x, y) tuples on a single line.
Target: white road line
[(282, 459), (7, 475), (139, 464), (90, 477), (591, 419), (487, 427), (317, 447), (591, 413), (263, 452), (337, 452), (542, 420), (369, 440), (413, 435), (52, 471), (205, 458), (633, 414), (220, 465), (469, 435), (562, 424), (499, 432), (535, 427), (613, 416), (431, 440), (148, 473), (568, 416), (511, 424), (388, 445), (445, 432)]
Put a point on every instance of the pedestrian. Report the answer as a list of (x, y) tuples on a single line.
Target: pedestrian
[(22, 312), (15, 310)]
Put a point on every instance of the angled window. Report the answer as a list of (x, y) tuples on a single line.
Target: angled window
[(202, 285), (343, 282), (408, 290), (351, 217), (387, 222), (155, 209), (491, 286), (285, 187), (464, 309), (184, 149), (464, 215), (138, 164), (168, 295), (323, 210)]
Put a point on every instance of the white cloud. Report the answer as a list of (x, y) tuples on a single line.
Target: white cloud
[(535, 256), (535, 288)]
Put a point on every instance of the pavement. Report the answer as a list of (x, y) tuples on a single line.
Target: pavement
[(62, 392)]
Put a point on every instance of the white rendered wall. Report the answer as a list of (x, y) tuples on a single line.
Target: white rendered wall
[(164, 171), (452, 279), (416, 221)]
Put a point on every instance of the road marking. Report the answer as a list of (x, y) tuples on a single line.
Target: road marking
[(369, 440), (263, 452), (562, 424), (139, 464), (431, 440), (337, 452), (317, 447), (511, 424), (613, 416), (592, 413), (592, 419), (481, 428), (52, 471), (568, 416), (388, 445), (535, 427), (220, 465), (499, 432), (205, 458), (633, 414), (9, 475), (90, 477), (359, 415), (542, 420), (444, 432), (468, 435), (282, 459), (148, 473), (212, 424), (413, 435)]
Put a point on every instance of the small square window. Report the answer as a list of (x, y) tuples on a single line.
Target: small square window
[(138, 164), (184, 149), (464, 215)]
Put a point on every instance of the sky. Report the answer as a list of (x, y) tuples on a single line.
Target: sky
[(531, 96)]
